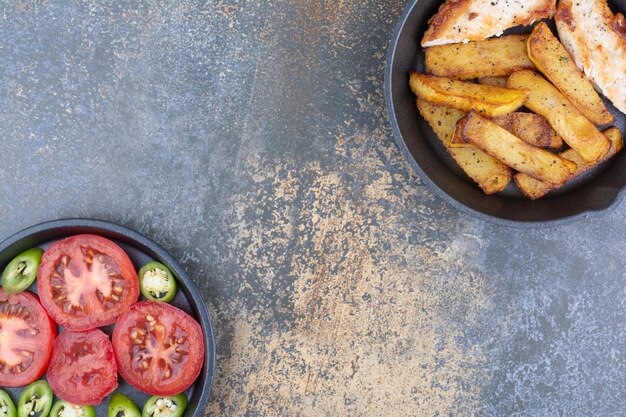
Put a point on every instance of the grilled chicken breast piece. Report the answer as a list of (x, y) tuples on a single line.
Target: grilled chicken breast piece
[(474, 20), (596, 38)]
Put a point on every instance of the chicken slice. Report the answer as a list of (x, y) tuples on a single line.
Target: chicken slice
[(474, 20), (596, 38)]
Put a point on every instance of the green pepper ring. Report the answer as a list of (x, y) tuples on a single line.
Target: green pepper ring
[(5, 401), (21, 272), (88, 410), (120, 403), (169, 293), (150, 408), (43, 402)]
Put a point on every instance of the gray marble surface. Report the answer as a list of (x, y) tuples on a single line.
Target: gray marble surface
[(250, 139)]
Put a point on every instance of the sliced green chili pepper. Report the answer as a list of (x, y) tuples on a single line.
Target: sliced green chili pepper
[(64, 409), (7, 408), (36, 400), (122, 406), (165, 406), (157, 282), (21, 271)]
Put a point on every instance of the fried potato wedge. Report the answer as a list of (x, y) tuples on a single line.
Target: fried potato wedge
[(553, 60), (529, 127), (491, 175), (495, 81), (575, 129), (489, 58), (534, 189), (466, 96), (513, 152)]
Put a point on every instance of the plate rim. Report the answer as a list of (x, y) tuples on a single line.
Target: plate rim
[(144, 244)]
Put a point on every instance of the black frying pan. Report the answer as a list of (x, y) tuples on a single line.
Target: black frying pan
[(595, 192), (141, 250)]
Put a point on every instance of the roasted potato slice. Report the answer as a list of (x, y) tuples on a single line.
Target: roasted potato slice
[(553, 60), (466, 96), (575, 129), (491, 175), (513, 152), (495, 81), (489, 58), (529, 127), (534, 189)]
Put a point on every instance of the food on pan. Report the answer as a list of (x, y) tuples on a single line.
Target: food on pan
[(534, 189), (86, 281), (158, 406), (553, 60), (467, 96), (159, 348), (491, 175), (83, 369), (64, 409), (157, 282), (513, 152), (529, 127), (21, 272), (469, 71), (575, 129), (26, 334), (489, 58), (596, 38), (35, 399), (460, 21), (495, 81)]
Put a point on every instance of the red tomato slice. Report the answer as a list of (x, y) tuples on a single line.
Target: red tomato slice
[(82, 370), (86, 281), (26, 337), (159, 349)]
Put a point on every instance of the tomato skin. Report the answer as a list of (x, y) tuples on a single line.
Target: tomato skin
[(159, 348), (83, 369), (86, 281), (40, 344)]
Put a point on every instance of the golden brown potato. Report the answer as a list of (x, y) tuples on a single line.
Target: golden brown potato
[(466, 96), (513, 152), (534, 189), (495, 81), (529, 127), (553, 60), (575, 129), (493, 57), (491, 175)]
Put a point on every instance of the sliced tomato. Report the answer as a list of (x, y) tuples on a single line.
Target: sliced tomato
[(83, 369), (26, 337), (159, 348), (86, 281)]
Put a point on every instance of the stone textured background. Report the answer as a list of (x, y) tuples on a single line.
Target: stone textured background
[(250, 139)]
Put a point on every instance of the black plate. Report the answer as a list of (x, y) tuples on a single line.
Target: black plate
[(141, 250), (595, 192)]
